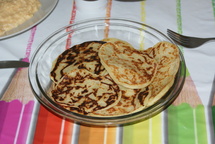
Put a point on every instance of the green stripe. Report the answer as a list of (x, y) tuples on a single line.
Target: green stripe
[(186, 125), (179, 25), (201, 124), (180, 125), (213, 4), (127, 134), (179, 19), (213, 116), (213, 107)]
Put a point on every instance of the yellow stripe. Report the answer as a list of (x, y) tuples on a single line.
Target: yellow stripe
[(143, 12), (156, 129), (141, 133), (148, 132), (143, 19)]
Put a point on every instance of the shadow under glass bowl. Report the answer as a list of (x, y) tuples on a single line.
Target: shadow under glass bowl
[(141, 36)]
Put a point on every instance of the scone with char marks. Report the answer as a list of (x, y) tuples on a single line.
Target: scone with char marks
[(83, 92), (168, 59), (131, 100), (127, 66), (82, 56), (111, 78), (119, 42)]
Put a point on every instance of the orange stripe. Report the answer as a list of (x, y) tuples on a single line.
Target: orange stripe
[(108, 10), (95, 135), (111, 135), (47, 128), (68, 127), (91, 135), (67, 133), (108, 14)]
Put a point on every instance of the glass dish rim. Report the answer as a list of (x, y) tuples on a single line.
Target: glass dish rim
[(105, 120)]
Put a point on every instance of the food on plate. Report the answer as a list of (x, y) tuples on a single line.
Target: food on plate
[(118, 42), (16, 12), (80, 56), (111, 78), (131, 100), (83, 92), (127, 66), (168, 59)]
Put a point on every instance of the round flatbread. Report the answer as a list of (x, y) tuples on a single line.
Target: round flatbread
[(168, 59), (83, 92), (119, 42), (82, 56), (111, 78), (127, 66), (131, 100)]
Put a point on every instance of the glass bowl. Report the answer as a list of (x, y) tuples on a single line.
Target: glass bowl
[(138, 34)]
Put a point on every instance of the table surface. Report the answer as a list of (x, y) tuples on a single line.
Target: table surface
[(188, 120)]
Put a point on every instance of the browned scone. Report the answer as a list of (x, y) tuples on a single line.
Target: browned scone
[(131, 100), (112, 78), (127, 66), (83, 92), (168, 59), (82, 56)]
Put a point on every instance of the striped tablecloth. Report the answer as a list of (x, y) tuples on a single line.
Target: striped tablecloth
[(189, 120)]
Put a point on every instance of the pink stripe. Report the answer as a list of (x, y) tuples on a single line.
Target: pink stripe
[(11, 121), (30, 42), (25, 122), (3, 112)]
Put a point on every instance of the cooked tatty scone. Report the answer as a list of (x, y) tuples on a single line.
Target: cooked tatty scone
[(110, 78)]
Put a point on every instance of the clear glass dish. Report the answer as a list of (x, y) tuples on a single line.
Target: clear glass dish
[(138, 34)]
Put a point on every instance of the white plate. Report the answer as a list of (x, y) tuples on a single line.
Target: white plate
[(46, 8)]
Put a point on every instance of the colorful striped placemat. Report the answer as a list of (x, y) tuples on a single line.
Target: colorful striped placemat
[(17, 104), (186, 117), (24, 120)]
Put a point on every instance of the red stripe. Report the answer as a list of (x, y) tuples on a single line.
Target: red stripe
[(48, 127), (67, 133), (68, 127), (73, 14), (30, 42)]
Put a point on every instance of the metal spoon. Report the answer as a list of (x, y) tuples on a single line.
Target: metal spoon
[(13, 64)]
